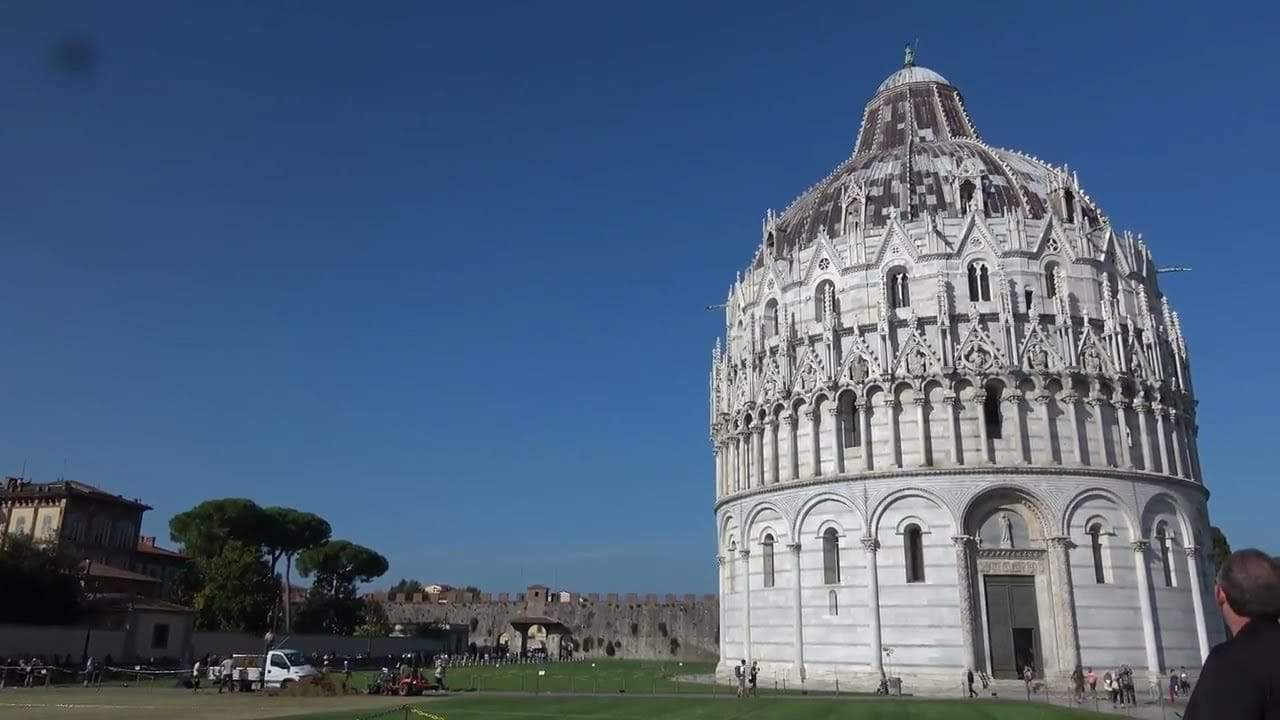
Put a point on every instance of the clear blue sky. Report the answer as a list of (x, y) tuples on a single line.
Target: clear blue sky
[(438, 272)]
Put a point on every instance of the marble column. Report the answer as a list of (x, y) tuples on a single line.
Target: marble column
[(1072, 401), (746, 605), (1197, 600), (724, 603), (733, 463), (758, 431), (1014, 400), (953, 428), (771, 452), (922, 425), (1144, 437), (1140, 548), (1043, 400), (1064, 603), (837, 444), (793, 456), (1175, 433), (890, 408), (870, 546), (1125, 454), (1158, 408), (815, 443), (798, 607), (968, 612), (1097, 404), (984, 442), (864, 416)]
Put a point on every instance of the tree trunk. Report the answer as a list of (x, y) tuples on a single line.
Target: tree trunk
[(288, 594)]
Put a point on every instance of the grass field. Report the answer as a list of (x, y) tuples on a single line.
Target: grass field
[(611, 676), (143, 704)]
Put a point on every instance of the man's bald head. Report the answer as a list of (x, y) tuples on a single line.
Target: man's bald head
[(1250, 581)]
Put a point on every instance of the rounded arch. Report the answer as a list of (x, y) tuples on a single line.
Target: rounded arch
[(1163, 503), (1079, 499), (813, 501), (820, 284), (728, 526), (888, 501), (909, 520), (994, 497), (754, 514)]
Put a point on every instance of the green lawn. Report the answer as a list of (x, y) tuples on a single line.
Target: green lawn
[(706, 708), (606, 676)]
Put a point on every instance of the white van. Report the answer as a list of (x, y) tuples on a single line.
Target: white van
[(284, 667)]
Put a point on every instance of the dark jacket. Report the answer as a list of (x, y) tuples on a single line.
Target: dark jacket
[(1241, 677)]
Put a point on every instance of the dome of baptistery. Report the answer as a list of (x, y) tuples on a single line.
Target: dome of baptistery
[(953, 424)]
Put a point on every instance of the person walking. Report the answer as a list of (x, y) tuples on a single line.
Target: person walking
[(227, 675), (1027, 676), (740, 676), (968, 678), (753, 676), (1240, 679), (195, 675), (89, 666)]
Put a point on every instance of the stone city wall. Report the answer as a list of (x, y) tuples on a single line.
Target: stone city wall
[(629, 625)]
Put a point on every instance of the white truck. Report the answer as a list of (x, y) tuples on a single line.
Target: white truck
[(284, 667)]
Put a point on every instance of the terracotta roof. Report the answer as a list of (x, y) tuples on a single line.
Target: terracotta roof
[(108, 571), (148, 545), (125, 602), (66, 488)]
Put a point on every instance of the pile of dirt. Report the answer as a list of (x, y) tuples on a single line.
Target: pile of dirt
[(328, 685)]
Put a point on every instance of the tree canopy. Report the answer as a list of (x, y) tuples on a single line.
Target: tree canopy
[(39, 584), (206, 528)]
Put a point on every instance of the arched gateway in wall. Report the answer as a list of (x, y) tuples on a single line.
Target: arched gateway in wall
[(953, 422)]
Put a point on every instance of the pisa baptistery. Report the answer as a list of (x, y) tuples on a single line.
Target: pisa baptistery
[(954, 423)]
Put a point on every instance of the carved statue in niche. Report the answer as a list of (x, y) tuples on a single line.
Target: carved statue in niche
[(917, 362), (978, 358), (858, 369), (1006, 531), (1038, 357), (1092, 360)]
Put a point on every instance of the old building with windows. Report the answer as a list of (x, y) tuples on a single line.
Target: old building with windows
[(94, 525), (953, 422)]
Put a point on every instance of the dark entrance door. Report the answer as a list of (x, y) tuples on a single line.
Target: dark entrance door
[(1013, 620)]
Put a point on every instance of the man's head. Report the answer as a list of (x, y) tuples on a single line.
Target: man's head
[(1249, 587)]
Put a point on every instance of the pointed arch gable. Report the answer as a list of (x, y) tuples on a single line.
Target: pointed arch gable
[(1029, 355), (915, 347), (1051, 241), (823, 247), (859, 348), (895, 243), (976, 240), (976, 342)]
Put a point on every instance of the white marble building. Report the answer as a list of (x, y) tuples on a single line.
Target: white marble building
[(953, 423)]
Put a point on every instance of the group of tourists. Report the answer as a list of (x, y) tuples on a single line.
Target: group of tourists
[(746, 678), (1119, 686)]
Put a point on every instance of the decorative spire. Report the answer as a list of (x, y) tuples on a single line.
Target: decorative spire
[(908, 55)]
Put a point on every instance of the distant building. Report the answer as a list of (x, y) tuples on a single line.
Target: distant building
[(94, 525)]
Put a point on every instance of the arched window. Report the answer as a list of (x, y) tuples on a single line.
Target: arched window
[(979, 282), (819, 300), (899, 289), (769, 245), (967, 189), (833, 603), (1051, 280), (830, 557), (1029, 297), (1069, 205), (992, 416), (766, 557), (1095, 544), (771, 318), (1162, 540), (849, 422), (913, 547)]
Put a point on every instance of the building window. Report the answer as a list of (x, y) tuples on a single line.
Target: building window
[(1095, 544), (967, 189), (979, 282), (1051, 280), (771, 318), (991, 415), (833, 603), (1162, 541), (160, 636), (913, 546), (1029, 297), (1069, 205), (820, 298), (46, 526), (830, 557), (766, 557), (20, 526), (899, 289)]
